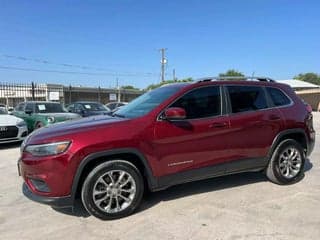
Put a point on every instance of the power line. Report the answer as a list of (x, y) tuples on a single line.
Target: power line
[(67, 72), (43, 61)]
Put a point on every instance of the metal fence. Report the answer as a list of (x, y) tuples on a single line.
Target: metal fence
[(12, 94)]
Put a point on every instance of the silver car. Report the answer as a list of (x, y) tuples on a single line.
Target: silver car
[(12, 129)]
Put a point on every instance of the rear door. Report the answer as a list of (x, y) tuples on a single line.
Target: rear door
[(198, 141), (253, 123)]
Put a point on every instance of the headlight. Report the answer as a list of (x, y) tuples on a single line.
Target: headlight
[(21, 124), (50, 119), (47, 149)]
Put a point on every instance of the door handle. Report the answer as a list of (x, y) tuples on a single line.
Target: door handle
[(218, 125)]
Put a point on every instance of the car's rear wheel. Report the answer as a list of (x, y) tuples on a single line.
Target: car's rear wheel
[(113, 189), (287, 163)]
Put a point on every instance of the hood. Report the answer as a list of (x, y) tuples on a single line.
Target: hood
[(74, 126), (9, 120)]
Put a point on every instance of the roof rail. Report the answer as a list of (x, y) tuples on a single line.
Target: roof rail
[(230, 78)]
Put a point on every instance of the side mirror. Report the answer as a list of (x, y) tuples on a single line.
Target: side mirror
[(175, 113), (28, 111)]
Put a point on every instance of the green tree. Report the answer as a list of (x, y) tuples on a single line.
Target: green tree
[(129, 87), (309, 77), (153, 86), (231, 73)]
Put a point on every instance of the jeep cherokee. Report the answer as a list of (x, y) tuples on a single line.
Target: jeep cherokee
[(174, 134)]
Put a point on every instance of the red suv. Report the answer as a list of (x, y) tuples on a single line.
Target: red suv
[(174, 134)]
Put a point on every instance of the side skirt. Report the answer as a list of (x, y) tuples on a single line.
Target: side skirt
[(238, 166)]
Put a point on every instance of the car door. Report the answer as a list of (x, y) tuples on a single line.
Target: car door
[(200, 140), (20, 112), (252, 122), (31, 116)]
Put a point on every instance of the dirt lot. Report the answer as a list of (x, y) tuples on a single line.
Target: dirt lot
[(243, 206)]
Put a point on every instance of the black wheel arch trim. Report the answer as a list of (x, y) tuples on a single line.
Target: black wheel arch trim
[(283, 133), (151, 179)]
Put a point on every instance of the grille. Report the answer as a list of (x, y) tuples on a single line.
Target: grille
[(8, 132)]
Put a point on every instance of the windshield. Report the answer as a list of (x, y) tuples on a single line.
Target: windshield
[(94, 107), (49, 108), (147, 102)]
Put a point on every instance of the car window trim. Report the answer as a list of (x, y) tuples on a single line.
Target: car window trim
[(275, 106), (272, 106), (222, 106)]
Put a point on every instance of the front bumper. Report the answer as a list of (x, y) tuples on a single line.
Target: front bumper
[(57, 202), (21, 135)]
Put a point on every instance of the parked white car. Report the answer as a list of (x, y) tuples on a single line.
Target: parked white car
[(12, 129)]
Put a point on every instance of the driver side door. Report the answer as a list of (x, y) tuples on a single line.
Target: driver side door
[(200, 140)]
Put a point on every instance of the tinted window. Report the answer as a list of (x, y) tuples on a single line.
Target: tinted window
[(20, 107), (246, 98), (94, 107), (278, 97), (112, 105), (29, 107), (78, 107), (70, 107), (201, 103), (48, 108)]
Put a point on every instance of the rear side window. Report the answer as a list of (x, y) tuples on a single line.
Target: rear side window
[(278, 97), (246, 98)]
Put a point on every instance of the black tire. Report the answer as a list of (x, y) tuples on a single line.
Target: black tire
[(274, 171), (104, 170)]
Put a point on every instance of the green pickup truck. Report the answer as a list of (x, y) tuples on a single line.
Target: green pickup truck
[(39, 114)]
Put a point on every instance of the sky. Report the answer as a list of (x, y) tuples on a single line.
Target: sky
[(96, 42)]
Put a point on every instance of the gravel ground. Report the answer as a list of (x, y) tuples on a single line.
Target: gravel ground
[(243, 206)]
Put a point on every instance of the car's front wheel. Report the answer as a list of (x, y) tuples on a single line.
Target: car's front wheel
[(287, 163), (113, 189)]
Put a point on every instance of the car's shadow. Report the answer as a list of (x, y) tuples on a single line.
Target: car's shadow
[(187, 189)]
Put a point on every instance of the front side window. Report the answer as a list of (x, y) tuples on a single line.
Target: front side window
[(246, 98), (29, 107), (278, 97), (200, 103)]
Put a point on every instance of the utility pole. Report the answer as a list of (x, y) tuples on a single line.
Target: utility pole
[(174, 74), (118, 88), (163, 63)]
